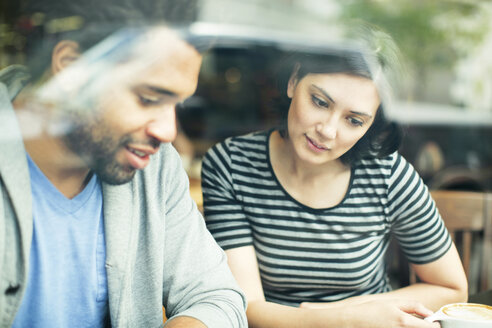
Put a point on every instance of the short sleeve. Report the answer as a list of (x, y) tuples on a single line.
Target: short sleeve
[(223, 211), (416, 222)]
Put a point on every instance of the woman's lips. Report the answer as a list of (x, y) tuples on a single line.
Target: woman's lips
[(315, 146)]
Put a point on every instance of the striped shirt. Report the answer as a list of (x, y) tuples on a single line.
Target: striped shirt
[(318, 255)]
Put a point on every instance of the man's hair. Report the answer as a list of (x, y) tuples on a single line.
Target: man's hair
[(46, 22)]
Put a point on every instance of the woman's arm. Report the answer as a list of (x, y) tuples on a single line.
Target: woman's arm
[(262, 314), (442, 281), (416, 224)]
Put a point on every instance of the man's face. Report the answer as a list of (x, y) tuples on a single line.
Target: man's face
[(135, 112)]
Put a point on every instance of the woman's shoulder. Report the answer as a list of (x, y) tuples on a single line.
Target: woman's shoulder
[(244, 147), (245, 154), (385, 164), (257, 137), (252, 141), (382, 161)]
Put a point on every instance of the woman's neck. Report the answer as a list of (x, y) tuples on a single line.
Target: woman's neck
[(285, 156), (316, 186)]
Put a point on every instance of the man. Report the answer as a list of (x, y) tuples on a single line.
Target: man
[(97, 227)]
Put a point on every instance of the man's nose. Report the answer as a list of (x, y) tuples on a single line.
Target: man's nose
[(163, 127)]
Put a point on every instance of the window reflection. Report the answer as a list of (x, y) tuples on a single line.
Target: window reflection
[(445, 94)]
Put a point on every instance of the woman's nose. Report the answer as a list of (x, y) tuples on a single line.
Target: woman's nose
[(328, 128), (163, 127)]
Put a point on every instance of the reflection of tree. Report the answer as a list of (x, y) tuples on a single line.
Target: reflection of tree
[(473, 85), (14, 20), (430, 34)]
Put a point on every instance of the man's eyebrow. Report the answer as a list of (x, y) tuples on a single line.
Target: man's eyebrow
[(323, 92), (333, 101)]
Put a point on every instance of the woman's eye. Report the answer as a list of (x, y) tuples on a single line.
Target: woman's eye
[(319, 102), (149, 101), (355, 121)]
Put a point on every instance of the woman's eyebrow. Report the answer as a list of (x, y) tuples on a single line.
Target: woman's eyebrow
[(323, 92), (360, 113), (333, 101), (159, 90)]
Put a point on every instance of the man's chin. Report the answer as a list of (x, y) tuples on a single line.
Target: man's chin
[(117, 178)]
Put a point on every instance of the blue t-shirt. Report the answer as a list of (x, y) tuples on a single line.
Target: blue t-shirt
[(67, 284)]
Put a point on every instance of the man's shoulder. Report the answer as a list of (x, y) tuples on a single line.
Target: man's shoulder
[(14, 77), (167, 158)]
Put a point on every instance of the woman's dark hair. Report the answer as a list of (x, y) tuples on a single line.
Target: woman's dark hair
[(382, 138)]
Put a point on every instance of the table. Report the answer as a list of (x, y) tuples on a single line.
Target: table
[(482, 297)]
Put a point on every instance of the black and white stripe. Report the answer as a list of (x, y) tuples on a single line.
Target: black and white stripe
[(316, 255)]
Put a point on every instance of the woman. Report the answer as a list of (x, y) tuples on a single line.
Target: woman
[(305, 212)]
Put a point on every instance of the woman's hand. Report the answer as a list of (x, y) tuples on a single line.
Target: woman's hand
[(368, 311), (386, 314)]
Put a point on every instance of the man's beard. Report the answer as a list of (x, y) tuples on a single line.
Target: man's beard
[(98, 148)]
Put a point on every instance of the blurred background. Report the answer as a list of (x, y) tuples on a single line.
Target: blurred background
[(443, 100), (442, 96)]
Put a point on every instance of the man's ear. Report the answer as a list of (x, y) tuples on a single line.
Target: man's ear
[(293, 81), (65, 53)]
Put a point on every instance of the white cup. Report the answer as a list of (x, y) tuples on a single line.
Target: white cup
[(463, 315)]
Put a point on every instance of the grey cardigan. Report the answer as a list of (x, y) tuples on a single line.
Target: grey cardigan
[(159, 251)]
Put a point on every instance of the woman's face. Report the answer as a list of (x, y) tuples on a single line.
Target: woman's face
[(328, 114)]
